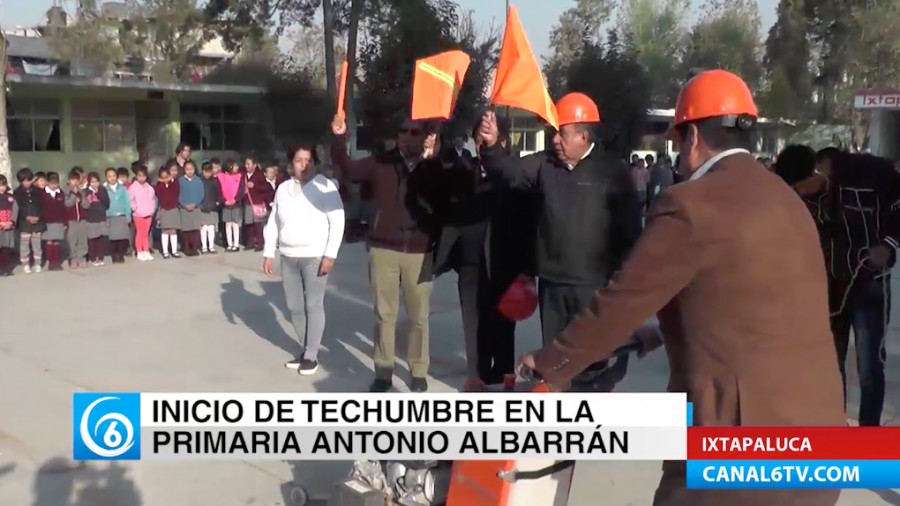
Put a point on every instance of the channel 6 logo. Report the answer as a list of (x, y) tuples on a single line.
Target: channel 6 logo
[(106, 426)]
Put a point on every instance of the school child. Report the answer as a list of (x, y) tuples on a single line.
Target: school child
[(257, 197), (216, 166), (209, 209), (118, 216), (95, 201), (190, 197), (143, 206), (30, 201), (168, 217), (220, 225), (40, 180), (124, 177), (9, 213), (55, 217), (76, 227), (273, 177), (231, 182)]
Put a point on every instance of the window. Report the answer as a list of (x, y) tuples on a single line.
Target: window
[(213, 127), (524, 140), (100, 126), (33, 125)]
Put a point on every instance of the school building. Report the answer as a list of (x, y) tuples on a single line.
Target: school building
[(59, 116)]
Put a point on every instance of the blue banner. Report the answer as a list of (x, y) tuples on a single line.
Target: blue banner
[(793, 474)]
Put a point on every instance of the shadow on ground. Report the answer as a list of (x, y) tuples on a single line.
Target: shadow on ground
[(889, 496), (62, 482)]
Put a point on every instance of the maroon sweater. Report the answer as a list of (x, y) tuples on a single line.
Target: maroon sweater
[(55, 208), (261, 193), (167, 195), (74, 211)]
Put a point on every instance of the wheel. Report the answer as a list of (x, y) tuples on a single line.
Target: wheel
[(299, 496)]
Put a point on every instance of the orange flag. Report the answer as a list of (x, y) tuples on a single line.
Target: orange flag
[(436, 84), (518, 82), (342, 89)]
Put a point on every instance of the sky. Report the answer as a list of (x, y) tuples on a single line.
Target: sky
[(538, 16)]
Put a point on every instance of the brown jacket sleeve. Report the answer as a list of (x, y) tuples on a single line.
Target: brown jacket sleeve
[(355, 171), (662, 263)]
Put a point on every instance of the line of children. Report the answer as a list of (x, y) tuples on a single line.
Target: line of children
[(113, 213)]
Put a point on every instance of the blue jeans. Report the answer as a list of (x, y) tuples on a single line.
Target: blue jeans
[(866, 312)]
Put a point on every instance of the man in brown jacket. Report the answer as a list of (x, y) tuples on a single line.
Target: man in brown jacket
[(730, 260)]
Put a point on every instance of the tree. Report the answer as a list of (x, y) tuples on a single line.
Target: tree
[(657, 30), (727, 37), (305, 54), (575, 27), (787, 62), (623, 94), (169, 33), (91, 42), (5, 162), (398, 33)]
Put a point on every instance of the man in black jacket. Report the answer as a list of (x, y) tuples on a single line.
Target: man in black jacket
[(855, 201), (589, 217), (488, 239)]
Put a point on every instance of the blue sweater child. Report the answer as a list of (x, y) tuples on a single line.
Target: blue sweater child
[(190, 192), (119, 201)]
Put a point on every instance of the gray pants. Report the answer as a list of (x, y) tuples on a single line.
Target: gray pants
[(304, 291), (30, 247), (77, 240)]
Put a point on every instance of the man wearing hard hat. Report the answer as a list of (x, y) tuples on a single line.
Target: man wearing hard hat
[(730, 261), (589, 217)]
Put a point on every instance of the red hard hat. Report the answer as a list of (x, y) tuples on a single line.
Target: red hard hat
[(520, 300), (577, 108)]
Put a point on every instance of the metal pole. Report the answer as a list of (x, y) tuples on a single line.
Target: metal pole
[(508, 122)]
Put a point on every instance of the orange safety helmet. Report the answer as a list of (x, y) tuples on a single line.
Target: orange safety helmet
[(577, 108), (715, 93)]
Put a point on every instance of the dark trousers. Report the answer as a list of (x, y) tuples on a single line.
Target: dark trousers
[(190, 242), (118, 248), (8, 260), (866, 312), (97, 248), (559, 304), (253, 235), (489, 336)]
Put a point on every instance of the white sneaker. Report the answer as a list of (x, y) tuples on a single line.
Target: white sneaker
[(27, 269), (37, 269), (147, 256)]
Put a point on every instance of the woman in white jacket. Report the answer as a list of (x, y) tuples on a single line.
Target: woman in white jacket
[(306, 227)]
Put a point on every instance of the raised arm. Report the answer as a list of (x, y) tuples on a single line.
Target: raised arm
[(521, 173), (356, 171)]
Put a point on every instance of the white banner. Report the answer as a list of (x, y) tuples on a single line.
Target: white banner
[(411, 410), (450, 442)]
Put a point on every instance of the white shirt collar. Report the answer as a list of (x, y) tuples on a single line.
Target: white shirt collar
[(712, 161), (51, 191), (585, 155)]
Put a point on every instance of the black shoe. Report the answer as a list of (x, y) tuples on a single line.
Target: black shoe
[(418, 385), (380, 386), (308, 367)]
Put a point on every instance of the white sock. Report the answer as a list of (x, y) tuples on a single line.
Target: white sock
[(165, 244), (229, 234), (211, 239), (237, 234), (174, 240), (203, 243)]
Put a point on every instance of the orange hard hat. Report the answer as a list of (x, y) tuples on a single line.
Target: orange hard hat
[(714, 93), (577, 108)]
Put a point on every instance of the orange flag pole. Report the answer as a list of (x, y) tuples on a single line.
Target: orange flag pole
[(342, 89)]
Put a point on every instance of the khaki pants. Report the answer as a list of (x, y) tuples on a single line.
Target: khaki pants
[(393, 272)]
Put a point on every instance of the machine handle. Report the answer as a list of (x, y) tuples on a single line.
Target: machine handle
[(633, 346), (514, 475)]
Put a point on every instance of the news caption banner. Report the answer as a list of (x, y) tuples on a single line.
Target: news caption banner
[(793, 457), (501, 426)]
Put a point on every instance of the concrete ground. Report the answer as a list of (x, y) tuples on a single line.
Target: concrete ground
[(218, 324)]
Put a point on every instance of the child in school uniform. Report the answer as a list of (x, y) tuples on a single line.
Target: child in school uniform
[(30, 200), (56, 217), (95, 202), (40, 180), (257, 198), (220, 225), (9, 213), (118, 216), (209, 209), (76, 226), (168, 216), (190, 197), (231, 182), (125, 180), (143, 207)]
